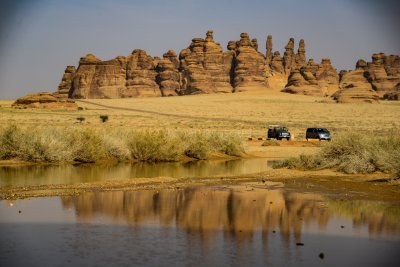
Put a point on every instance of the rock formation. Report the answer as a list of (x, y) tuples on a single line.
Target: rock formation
[(168, 77), (66, 82), (289, 56), (383, 72), (276, 63), (268, 54), (371, 80), (44, 100), (354, 87), (203, 67), (140, 76), (249, 65), (313, 79), (393, 95), (300, 57)]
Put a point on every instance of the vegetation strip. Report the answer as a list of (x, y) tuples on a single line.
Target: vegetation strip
[(82, 144)]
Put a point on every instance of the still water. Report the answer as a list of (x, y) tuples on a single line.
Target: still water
[(202, 226), (70, 174)]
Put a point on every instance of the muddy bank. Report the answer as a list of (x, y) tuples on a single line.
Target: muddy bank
[(337, 185)]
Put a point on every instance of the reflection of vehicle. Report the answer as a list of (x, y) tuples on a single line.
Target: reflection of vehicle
[(318, 133), (278, 132)]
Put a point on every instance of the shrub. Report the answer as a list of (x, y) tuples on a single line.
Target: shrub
[(270, 142), (10, 140), (197, 145), (154, 146), (87, 145), (104, 118), (80, 119), (353, 153), (229, 144)]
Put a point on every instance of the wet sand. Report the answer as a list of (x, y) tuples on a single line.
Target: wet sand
[(327, 182)]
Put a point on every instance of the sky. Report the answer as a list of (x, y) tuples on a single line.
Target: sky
[(39, 38)]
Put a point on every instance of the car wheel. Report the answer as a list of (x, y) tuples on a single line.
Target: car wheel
[(288, 138), (278, 138)]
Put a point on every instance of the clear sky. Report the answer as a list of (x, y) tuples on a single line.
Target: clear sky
[(38, 38)]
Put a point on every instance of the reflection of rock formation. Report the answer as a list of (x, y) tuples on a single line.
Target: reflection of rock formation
[(203, 210), (238, 212)]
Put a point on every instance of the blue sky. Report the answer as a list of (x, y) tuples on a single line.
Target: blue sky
[(39, 38)]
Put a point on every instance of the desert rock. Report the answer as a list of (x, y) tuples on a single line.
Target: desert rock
[(44, 100), (203, 67), (288, 56), (354, 87), (313, 79), (249, 65), (168, 76), (140, 76), (66, 82)]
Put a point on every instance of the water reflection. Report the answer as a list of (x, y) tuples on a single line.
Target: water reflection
[(238, 212), (69, 174), (198, 227)]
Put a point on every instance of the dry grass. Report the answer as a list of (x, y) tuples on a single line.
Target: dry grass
[(87, 144), (354, 153), (246, 114)]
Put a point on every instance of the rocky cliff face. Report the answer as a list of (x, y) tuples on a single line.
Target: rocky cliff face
[(354, 87), (140, 76), (249, 65), (203, 67), (66, 82), (371, 80), (313, 79), (168, 77)]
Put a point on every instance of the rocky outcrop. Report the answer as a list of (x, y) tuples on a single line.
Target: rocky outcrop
[(168, 77), (276, 63), (269, 53), (203, 67), (371, 80), (354, 87), (140, 76), (313, 79), (300, 57), (289, 56), (44, 100), (66, 82), (249, 65), (383, 72)]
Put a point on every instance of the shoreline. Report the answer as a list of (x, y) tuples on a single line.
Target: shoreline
[(376, 186)]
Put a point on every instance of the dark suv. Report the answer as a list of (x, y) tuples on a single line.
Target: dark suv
[(318, 133), (278, 132)]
